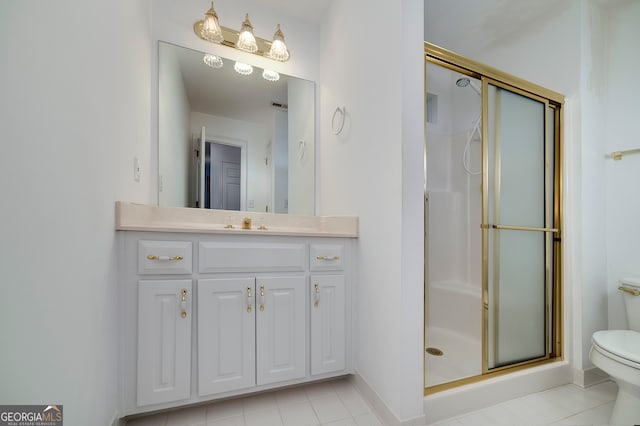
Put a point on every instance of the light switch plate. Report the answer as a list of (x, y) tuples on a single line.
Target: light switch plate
[(137, 169)]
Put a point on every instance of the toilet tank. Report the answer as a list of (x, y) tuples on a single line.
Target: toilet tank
[(631, 292)]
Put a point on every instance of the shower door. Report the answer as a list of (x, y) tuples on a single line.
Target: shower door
[(518, 225)]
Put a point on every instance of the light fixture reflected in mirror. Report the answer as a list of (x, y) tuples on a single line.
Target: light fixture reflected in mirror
[(270, 75), (213, 61), (242, 68), (209, 29)]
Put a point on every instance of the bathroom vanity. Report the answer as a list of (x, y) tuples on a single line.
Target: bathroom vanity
[(210, 311)]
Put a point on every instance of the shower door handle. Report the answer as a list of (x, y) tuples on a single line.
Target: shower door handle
[(517, 228)]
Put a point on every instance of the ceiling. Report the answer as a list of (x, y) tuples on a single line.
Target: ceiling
[(460, 21)]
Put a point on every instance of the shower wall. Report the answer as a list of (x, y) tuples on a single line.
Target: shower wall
[(454, 194), (454, 209)]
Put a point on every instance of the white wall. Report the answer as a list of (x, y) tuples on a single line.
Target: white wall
[(280, 163), (621, 109), (373, 169), (174, 135), (587, 183), (74, 112)]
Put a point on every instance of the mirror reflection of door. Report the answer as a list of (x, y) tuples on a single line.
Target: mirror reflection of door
[(222, 176)]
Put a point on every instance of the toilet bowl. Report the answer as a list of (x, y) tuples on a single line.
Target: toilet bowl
[(617, 353)]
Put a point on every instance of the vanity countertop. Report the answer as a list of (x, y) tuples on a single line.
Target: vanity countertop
[(142, 217)]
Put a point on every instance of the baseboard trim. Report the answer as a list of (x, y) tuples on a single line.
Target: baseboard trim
[(117, 421), (384, 413), (589, 377)]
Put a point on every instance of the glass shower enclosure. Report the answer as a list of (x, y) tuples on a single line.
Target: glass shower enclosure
[(492, 220)]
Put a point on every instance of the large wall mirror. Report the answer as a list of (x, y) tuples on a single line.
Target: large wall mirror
[(231, 141)]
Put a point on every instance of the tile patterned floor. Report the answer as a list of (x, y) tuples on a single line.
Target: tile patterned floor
[(338, 403), (562, 406), (335, 403)]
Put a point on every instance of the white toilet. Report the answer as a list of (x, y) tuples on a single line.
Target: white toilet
[(617, 353)]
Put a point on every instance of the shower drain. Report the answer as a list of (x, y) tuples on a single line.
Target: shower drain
[(435, 351)]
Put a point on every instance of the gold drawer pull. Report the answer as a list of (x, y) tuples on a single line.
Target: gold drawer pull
[(154, 257), (631, 291), (328, 258)]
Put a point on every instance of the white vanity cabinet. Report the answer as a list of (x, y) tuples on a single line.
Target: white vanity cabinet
[(209, 316), (226, 335), (251, 331), (328, 336), (281, 329), (328, 307), (164, 341)]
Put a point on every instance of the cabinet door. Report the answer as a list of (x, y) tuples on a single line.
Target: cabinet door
[(164, 341), (226, 334), (328, 333), (281, 324)]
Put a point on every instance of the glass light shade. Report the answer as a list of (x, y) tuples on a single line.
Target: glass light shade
[(270, 75), (242, 68), (278, 50), (213, 61), (246, 39), (211, 30)]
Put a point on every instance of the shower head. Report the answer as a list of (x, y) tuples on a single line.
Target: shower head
[(464, 82)]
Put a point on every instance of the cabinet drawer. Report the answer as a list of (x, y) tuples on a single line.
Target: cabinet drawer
[(164, 257), (250, 257), (326, 257)]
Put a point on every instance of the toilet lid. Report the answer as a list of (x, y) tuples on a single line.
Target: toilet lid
[(623, 343)]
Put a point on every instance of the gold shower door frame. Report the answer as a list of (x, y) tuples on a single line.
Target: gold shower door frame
[(553, 225)]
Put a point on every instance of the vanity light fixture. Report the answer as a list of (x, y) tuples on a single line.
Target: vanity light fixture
[(213, 61), (242, 68), (209, 29), (270, 75)]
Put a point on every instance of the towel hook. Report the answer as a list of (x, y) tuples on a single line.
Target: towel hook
[(340, 113)]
